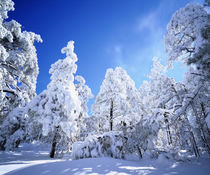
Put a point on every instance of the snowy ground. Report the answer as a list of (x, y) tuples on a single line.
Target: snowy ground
[(29, 160)]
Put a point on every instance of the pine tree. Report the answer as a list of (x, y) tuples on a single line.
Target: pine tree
[(58, 107), (187, 39), (115, 104), (18, 72), (84, 93)]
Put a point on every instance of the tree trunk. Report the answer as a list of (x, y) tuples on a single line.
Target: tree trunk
[(169, 137), (195, 147), (2, 145), (205, 140), (54, 142), (192, 140), (111, 116), (204, 129), (139, 150)]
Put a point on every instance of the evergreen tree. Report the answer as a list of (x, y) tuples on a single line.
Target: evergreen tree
[(58, 107), (116, 102), (187, 39), (84, 93), (18, 73)]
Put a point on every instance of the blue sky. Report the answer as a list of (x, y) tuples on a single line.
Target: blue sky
[(107, 33)]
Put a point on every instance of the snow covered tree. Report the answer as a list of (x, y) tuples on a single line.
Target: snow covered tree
[(156, 97), (58, 107), (194, 106), (84, 93), (187, 37), (207, 3), (18, 71), (116, 102), (13, 129), (141, 136), (18, 62), (163, 98)]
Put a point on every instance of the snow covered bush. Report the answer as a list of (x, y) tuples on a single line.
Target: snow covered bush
[(109, 144), (137, 139), (13, 129)]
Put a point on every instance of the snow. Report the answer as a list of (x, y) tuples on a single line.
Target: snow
[(108, 144), (208, 121), (164, 123), (27, 155), (33, 159)]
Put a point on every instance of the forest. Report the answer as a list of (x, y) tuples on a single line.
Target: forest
[(160, 118)]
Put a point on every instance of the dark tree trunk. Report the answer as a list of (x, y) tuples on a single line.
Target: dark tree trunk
[(194, 144), (169, 137), (139, 150), (54, 142), (204, 129), (192, 139), (111, 116), (205, 140), (2, 144)]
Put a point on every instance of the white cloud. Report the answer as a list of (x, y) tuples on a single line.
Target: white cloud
[(118, 55), (149, 29), (148, 21), (118, 49)]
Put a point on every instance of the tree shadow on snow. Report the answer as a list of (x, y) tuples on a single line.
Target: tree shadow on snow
[(10, 156), (111, 166)]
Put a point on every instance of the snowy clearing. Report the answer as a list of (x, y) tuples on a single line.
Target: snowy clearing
[(31, 160), (161, 127)]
